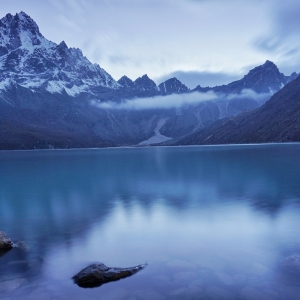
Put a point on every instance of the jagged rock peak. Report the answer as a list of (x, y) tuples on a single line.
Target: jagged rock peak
[(20, 31), (145, 79), (144, 83), (20, 21), (6, 19), (173, 86), (145, 76), (63, 45), (124, 77), (269, 63), (22, 16), (267, 67), (126, 82), (201, 89), (266, 77)]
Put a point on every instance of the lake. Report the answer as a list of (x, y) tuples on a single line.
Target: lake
[(212, 222)]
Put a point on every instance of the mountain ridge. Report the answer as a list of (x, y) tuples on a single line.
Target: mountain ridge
[(261, 79), (32, 61), (277, 121), (48, 88)]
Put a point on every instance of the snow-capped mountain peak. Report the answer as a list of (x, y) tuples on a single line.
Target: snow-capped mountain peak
[(20, 31), (32, 61)]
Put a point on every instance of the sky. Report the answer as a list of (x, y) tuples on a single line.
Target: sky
[(206, 42)]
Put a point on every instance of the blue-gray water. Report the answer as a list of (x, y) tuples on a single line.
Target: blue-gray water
[(212, 222)]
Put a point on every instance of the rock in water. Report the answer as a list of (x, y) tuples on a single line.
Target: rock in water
[(5, 242), (98, 274)]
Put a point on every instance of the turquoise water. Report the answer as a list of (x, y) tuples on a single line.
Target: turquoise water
[(212, 222)]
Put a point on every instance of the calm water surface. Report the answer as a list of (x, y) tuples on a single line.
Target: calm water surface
[(212, 222)]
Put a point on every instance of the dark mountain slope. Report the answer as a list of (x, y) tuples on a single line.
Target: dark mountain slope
[(278, 120)]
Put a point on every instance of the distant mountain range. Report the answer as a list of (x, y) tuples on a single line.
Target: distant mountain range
[(277, 121), (50, 96), (262, 79)]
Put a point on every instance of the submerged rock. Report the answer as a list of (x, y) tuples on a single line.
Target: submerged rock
[(97, 274), (5, 242)]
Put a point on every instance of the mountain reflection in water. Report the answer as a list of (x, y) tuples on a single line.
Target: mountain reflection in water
[(213, 220)]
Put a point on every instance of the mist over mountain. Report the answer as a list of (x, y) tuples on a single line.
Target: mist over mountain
[(278, 120), (52, 96)]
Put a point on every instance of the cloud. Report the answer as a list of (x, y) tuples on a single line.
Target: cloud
[(159, 102), (119, 59), (78, 8), (205, 78), (283, 38), (210, 1), (287, 17), (250, 94), (178, 100)]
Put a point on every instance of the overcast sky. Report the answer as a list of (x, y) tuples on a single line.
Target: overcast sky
[(204, 42)]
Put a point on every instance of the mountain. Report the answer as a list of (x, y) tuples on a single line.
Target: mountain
[(126, 82), (30, 60), (278, 120), (50, 97), (173, 86), (262, 79), (144, 83)]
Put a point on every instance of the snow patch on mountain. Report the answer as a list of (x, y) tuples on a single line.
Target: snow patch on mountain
[(54, 87), (5, 84), (157, 138), (2, 61), (75, 90)]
